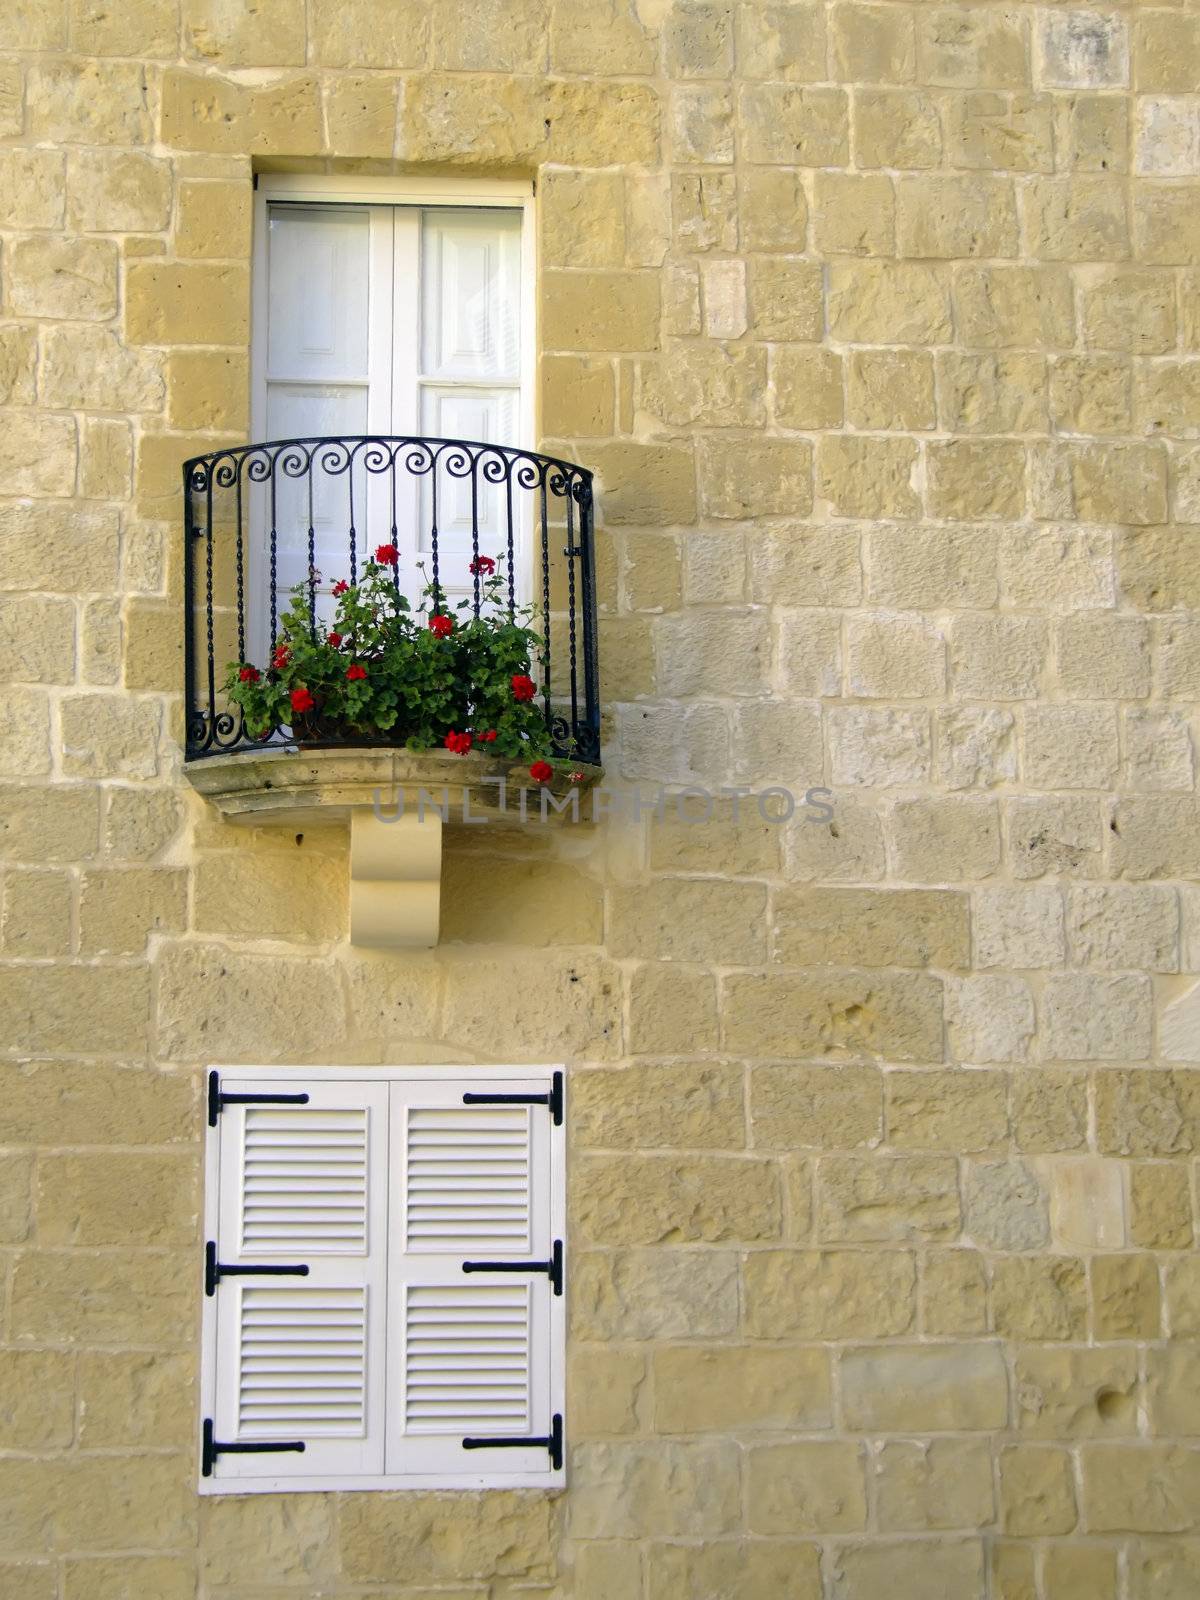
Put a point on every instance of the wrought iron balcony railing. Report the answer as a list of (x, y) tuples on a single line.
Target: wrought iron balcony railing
[(261, 519)]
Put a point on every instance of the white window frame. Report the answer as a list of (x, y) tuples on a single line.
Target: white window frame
[(469, 194), (467, 1078)]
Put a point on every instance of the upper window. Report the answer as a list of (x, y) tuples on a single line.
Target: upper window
[(376, 313), (384, 1280)]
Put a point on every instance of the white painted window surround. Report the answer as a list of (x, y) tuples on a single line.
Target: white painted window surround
[(391, 306), (384, 1355)]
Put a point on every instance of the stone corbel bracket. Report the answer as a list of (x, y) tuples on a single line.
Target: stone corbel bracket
[(393, 802), (395, 879)]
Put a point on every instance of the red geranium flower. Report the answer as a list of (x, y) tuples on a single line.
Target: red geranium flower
[(460, 743), (335, 640), (541, 772), (340, 587), (249, 675), (489, 737), (387, 555), (355, 672), (302, 700), (483, 564), (281, 657), (523, 686), (441, 624)]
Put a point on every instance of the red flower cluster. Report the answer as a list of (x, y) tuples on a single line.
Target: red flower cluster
[(340, 587), (523, 686), (335, 640), (356, 673), (489, 737), (281, 657), (541, 772), (460, 743), (484, 565), (442, 625), (249, 675), (387, 555), (302, 700)]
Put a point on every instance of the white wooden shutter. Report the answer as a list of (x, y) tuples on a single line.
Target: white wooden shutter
[(478, 1354), (300, 1358)]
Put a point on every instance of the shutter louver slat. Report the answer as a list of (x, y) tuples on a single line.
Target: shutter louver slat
[(304, 1178), (468, 1353), (468, 1179)]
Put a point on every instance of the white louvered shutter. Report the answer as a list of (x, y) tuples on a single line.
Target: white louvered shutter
[(301, 1358), (477, 1355)]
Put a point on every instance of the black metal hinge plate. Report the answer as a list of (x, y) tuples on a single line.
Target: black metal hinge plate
[(214, 1447), (215, 1270), (553, 1441), (554, 1099), (552, 1268), (218, 1099)]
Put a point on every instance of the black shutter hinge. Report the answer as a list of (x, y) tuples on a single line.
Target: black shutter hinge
[(218, 1099), (553, 1441), (554, 1099), (214, 1447), (215, 1270), (552, 1268)]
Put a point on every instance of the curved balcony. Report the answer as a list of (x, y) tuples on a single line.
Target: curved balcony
[(262, 519)]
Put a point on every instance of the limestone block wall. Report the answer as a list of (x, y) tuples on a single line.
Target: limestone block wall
[(879, 323)]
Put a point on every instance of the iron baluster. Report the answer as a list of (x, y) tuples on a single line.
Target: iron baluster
[(545, 531)]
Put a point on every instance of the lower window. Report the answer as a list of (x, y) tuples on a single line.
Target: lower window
[(383, 1277)]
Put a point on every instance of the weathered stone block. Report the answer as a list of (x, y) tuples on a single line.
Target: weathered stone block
[(831, 1294), (863, 476), (876, 746), (1081, 49), (955, 218), (811, 1487), (736, 1569), (750, 477), (989, 1018), (1086, 1018), (606, 1388), (629, 1200), (655, 1294), (904, 1199), (1039, 1297), (894, 656), (908, 928), (741, 1386), (1037, 1493), (636, 1490), (891, 389), (888, 302), (896, 128), (1005, 1206), (115, 1298), (956, 1111), (942, 1483), (925, 1389), (1140, 1488), (945, 839), (834, 1011), (690, 919)]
